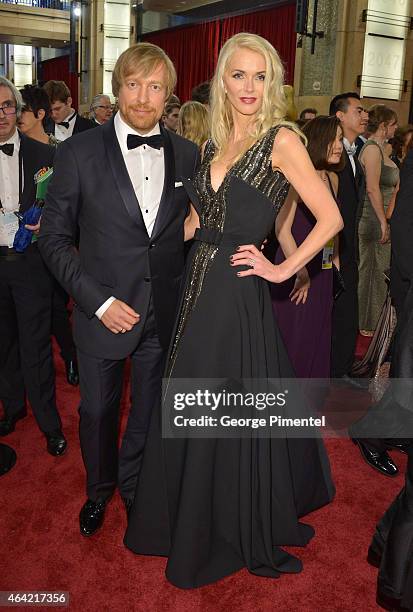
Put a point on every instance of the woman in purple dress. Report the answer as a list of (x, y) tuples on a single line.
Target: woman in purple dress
[(304, 313)]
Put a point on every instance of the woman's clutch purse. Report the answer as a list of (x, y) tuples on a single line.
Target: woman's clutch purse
[(338, 282)]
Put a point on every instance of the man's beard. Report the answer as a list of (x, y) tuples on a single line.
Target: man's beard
[(141, 122)]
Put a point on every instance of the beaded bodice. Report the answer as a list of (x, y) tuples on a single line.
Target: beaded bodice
[(254, 167)]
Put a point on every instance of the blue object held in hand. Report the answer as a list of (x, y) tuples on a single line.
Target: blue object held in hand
[(23, 237)]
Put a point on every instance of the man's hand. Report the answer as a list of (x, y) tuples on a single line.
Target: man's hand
[(34, 228), (119, 317)]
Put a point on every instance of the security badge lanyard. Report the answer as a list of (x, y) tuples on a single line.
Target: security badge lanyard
[(9, 221), (327, 262)]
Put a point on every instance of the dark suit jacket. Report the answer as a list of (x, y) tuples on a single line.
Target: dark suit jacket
[(91, 192), (351, 191), (81, 125), (359, 144), (401, 275), (36, 155)]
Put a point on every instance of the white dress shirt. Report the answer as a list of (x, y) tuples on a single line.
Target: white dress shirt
[(62, 132), (9, 175), (146, 169), (9, 186), (348, 146)]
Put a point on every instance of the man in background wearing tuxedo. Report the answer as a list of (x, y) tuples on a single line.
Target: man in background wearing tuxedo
[(26, 362), (65, 120), (120, 188), (351, 189)]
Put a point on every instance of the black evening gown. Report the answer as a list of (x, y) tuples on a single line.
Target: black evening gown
[(214, 506)]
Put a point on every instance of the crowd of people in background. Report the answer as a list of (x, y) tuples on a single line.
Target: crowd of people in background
[(358, 153), (341, 293)]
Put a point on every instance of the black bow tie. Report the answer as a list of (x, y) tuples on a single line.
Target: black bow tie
[(8, 149), (66, 124), (156, 141)]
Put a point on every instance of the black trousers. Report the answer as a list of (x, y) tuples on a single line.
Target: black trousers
[(25, 349), (61, 325), (345, 324), (101, 382)]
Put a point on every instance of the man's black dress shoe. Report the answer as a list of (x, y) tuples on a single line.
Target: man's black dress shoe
[(8, 423), (380, 461), (7, 459), (56, 443), (91, 517), (72, 373)]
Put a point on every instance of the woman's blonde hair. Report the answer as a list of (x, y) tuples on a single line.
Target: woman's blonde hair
[(274, 106), (291, 112), (142, 58), (193, 122)]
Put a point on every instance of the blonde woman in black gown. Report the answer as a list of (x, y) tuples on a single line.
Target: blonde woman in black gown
[(214, 506)]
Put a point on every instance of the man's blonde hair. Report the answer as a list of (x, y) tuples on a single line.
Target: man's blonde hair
[(274, 106), (142, 58)]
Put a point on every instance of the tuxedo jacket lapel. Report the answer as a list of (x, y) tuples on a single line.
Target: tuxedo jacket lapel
[(120, 174), (350, 169), (166, 202), (359, 173)]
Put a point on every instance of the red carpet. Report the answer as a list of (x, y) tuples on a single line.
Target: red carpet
[(362, 345), (41, 548)]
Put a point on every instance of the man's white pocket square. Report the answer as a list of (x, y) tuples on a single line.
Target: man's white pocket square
[(178, 184)]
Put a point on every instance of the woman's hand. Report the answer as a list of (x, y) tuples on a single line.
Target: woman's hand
[(385, 232), (249, 255), (301, 287)]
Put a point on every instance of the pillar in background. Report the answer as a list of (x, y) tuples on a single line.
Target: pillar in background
[(109, 33), (19, 64), (337, 64)]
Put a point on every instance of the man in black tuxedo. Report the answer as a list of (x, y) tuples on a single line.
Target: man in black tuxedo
[(25, 285), (120, 188), (66, 120), (351, 190)]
